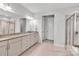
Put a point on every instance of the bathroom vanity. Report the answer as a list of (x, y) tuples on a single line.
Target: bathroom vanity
[(16, 44)]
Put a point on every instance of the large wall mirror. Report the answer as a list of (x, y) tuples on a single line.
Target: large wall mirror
[(10, 25)]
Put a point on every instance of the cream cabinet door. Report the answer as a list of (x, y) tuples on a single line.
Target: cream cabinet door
[(24, 44), (3, 48), (14, 47), (36, 37), (30, 41)]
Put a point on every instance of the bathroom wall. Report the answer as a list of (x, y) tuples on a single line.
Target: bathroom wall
[(59, 23)]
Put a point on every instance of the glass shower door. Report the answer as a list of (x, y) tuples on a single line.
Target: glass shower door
[(70, 31)]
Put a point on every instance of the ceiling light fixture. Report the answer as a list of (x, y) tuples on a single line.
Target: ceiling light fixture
[(2, 6), (28, 17), (6, 7)]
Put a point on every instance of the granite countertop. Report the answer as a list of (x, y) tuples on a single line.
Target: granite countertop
[(9, 37)]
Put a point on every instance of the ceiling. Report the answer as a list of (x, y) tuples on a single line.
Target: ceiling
[(19, 10), (41, 7)]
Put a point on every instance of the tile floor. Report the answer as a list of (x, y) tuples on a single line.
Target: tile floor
[(46, 49)]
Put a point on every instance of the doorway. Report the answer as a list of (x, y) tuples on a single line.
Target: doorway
[(23, 25), (48, 27)]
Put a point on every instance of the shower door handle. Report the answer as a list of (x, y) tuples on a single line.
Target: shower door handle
[(76, 32)]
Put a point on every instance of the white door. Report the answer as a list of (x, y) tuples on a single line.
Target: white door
[(49, 27)]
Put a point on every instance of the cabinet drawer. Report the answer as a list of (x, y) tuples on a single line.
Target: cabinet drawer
[(14, 48), (14, 40), (3, 43), (3, 48)]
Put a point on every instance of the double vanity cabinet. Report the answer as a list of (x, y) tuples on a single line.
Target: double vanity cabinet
[(16, 44)]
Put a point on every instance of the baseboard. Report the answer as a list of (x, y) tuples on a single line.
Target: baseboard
[(59, 45), (28, 48)]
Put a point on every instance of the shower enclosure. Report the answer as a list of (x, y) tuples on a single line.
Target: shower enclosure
[(72, 30)]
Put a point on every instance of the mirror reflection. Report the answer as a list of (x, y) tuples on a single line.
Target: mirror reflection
[(9, 25)]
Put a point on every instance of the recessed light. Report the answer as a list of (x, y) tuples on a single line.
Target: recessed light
[(28, 17)]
